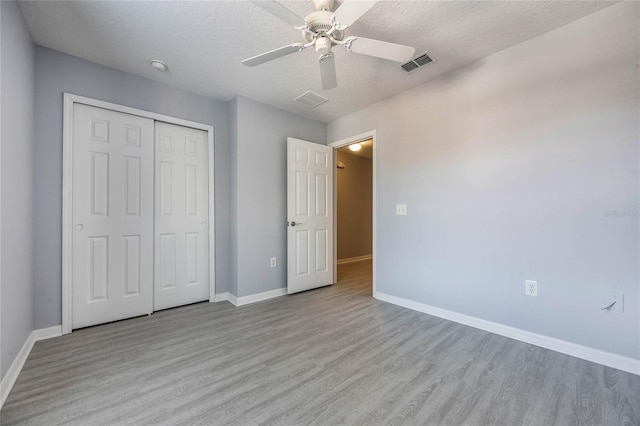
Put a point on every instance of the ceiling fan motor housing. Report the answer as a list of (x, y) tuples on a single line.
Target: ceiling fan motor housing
[(320, 22)]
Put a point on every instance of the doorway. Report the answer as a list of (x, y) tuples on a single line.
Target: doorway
[(354, 207)]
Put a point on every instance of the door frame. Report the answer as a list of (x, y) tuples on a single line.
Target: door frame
[(371, 134), (67, 194)]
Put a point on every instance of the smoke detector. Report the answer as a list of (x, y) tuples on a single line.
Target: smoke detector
[(158, 65)]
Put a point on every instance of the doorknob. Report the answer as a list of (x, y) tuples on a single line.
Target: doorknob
[(296, 223), (79, 227)]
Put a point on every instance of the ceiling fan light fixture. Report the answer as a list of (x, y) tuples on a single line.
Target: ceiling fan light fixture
[(323, 45), (355, 147)]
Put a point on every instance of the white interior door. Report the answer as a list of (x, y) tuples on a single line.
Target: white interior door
[(112, 244), (309, 215), (181, 216)]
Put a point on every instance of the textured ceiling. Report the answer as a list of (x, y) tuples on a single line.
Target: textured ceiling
[(204, 42)]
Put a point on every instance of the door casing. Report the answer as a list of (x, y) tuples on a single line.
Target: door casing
[(371, 134), (67, 194)]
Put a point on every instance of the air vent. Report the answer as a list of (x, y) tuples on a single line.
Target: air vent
[(311, 99), (417, 62)]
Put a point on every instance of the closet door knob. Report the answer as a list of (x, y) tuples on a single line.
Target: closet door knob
[(79, 227)]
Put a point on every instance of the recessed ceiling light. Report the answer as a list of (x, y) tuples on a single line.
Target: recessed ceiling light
[(158, 65), (355, 147)]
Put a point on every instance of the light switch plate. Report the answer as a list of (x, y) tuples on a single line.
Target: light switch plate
[(401, 209)]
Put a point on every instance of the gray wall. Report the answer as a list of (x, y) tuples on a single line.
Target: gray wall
[(260, 190), (508, 168), (57, 73), (17, 89), (355, 204)]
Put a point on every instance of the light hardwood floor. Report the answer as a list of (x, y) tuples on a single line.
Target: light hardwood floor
[(325, 357)]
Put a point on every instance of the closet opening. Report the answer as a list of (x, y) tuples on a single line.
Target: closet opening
[(138, 213)]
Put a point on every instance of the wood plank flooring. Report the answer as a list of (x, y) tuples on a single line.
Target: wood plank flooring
[(330, 356)]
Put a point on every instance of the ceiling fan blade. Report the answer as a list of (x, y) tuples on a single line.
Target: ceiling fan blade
[(277, 9), (273, 54), (380, 49), (328, 71), (351, 10)]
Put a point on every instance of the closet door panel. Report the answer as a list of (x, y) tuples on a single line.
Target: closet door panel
[(181, 216), (112, 253)]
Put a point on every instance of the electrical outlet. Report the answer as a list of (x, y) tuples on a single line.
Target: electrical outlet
[(401, 209), (273, 262), (619, 299), (531, 288)]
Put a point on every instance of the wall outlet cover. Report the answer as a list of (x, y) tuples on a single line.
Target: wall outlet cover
[(273, 262), (531, 288)]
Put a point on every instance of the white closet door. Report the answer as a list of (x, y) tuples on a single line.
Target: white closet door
[(112, 273), (181, 216)]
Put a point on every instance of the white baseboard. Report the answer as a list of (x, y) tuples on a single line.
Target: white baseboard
[(252, 298), (221, 297), (259, 297), (232, 298), (609, 359), (47, 333), (354, 259), (11, 376)]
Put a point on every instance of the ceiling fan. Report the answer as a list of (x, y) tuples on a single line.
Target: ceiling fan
[(324, 29)]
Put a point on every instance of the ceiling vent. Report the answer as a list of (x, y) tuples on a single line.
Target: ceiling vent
[(417, 62), (311, 99)]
